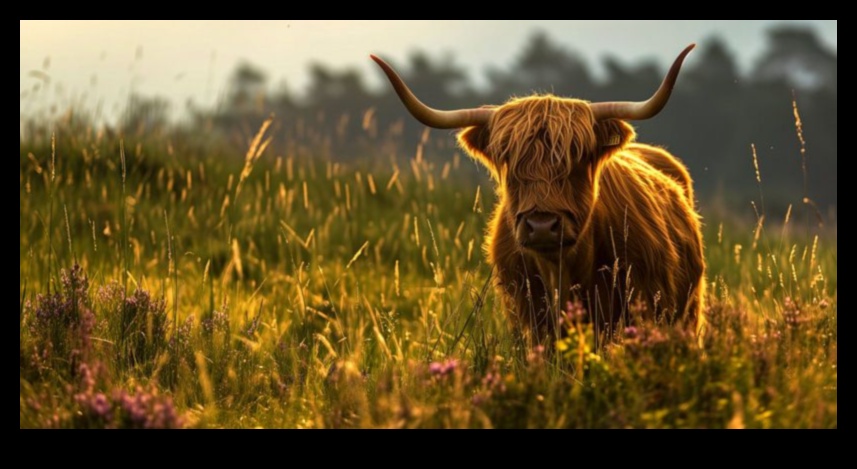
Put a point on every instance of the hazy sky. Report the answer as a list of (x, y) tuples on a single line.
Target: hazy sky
[(183, 60)]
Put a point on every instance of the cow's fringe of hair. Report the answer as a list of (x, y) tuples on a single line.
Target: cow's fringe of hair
[(558, 135)]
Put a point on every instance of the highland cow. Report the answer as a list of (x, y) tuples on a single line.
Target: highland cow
[(584, 212)]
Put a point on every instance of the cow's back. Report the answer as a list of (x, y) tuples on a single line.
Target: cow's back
[(645, 217), (664, 162)]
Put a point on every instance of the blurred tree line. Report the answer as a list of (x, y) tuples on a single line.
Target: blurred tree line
[(715, 114)]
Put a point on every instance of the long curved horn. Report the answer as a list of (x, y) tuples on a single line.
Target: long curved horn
[(433, 117), (644, 109)]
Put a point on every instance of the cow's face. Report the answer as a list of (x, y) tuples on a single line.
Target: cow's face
[(545, 154), (546, 216)]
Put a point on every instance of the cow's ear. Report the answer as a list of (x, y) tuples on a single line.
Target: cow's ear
[(612, 135), (475, 140)]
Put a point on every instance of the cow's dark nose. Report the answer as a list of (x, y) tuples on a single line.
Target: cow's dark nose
[(542, 229)]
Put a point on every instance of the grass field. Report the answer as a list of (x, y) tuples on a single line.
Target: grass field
[(167, 282)]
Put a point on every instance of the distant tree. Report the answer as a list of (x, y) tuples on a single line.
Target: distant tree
[(441, 81), (631, 82), (282, 97), (149, 114), (713, 65), (335, 103), (543, 66), (797, 56), (246, 89), (343, 88)]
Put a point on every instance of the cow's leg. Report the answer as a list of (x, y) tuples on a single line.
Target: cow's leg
[(527, 299)]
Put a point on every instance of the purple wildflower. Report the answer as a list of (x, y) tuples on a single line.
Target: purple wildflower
[(146, 409), (62, 322), (100, 405), (218, 321), (574, 311), (253, 326), (536, 356), (492, 383), (644, 337), (792, 313), (446, 368)]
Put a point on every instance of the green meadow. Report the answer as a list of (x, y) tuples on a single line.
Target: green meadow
[(170, 279)]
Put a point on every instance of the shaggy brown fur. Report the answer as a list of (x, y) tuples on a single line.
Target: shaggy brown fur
[(627, 207)]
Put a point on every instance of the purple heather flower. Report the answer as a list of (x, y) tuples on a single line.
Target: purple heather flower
[(574, 311), (99, 405), (443, 369)]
